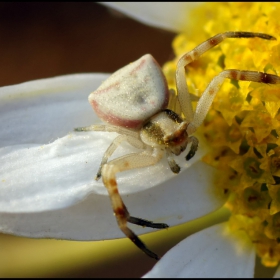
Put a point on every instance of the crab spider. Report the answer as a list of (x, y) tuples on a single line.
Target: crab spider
[(134, 103)]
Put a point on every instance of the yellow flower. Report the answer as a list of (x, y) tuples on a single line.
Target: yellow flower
[(242, 128)]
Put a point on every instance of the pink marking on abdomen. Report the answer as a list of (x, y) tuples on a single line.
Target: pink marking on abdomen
[(114, 120), (137, 68), (98, 91)]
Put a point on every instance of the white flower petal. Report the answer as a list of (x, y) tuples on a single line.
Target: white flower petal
[(277, 273), (39, 181), (172, 16), (89, 215), (43, 110), (211, 253)]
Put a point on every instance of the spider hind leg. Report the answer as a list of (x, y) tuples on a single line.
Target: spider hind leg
[(146, 223), (122, 215)]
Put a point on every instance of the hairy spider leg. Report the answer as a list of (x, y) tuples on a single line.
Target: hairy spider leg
[(195, 119), (182, 88), (208, 95), (108, 172)]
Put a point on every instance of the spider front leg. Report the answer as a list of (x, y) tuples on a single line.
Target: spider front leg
[(175, 168), (209, 94), (182, 88), (109, 170), (193, 148)]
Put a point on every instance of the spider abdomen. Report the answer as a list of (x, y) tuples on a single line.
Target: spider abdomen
[(132, 94)]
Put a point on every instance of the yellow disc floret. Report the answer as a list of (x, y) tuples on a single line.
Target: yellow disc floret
[(243, 126)]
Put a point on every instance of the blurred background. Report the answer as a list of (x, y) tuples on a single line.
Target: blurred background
[(40, 40)]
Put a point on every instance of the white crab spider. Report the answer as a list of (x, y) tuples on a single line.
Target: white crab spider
[(134, 102)]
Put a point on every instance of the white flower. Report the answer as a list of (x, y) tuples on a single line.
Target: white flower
[(214, 252)]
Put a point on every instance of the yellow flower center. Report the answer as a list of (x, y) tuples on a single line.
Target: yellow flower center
[(243, 126)]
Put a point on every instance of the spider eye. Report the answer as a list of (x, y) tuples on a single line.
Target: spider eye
[(179, 138)]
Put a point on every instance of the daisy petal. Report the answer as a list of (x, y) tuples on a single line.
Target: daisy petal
[(41, 111), (49, 191), (210, 253), (88, 216), (166, 15)]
